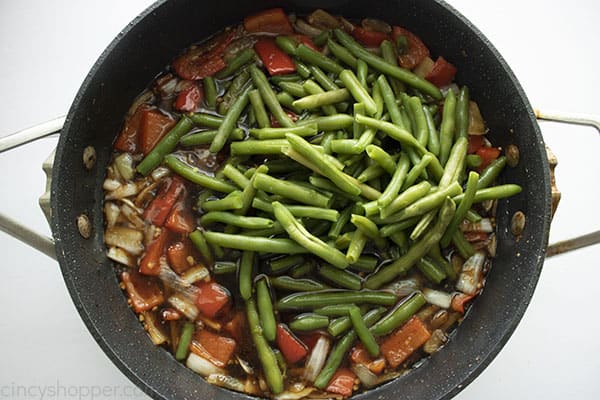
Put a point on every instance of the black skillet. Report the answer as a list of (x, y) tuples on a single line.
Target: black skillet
[(148, 44)]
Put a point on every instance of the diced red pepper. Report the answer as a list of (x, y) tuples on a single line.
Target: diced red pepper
[(291, 347), (416, 51), (217, 349), (475, 143), (144, 292), (442, 73), (189, 99), (203, 61), (397, 347), (275, 60), (487, 154), (369, 38), (305, 40), (181, 219), (212, 298), (127, 141), (291, 114), (178, 254), (161, 206), (236, 326), (342, 382), (273, 20), (170, 314), (150, 262), (154, 126), (459, 301), (360, 355)]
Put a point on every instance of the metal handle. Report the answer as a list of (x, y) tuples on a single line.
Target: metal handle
[(9, 225), (589, 239)]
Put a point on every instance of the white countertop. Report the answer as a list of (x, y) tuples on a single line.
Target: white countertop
[(46, 50)]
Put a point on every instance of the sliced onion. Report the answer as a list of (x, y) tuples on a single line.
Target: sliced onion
[(156, 333), (166, 85), (437, 297), (174, 281), (483, 225), (404, 287), (195, 274), (365, 375), (289, 395), (111, 211), (121, 256), (476, 123), (160, 173), (471, 274), (305, 28), (132, 214), (123, 191), (492, 245), (322, 20), (202, 366), (251, 387), (111, 184), (128, 239), (433, 344), (145, 194), (226, 381), (377, 25), (184, 306), (424, 67), (317, 359), (245, 365), (124, 163)]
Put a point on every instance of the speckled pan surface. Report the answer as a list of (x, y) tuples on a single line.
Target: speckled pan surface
[(154, 38)]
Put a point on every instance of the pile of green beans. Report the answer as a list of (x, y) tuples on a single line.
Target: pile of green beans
[(315, 213)]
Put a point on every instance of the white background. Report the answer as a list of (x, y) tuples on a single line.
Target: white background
[(47, 48)]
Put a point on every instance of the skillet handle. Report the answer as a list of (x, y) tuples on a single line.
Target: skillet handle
[(13, 227), (583, 240)]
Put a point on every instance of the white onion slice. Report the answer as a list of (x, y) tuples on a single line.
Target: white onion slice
[(288, 395), (159, 173), (124, 163), (195, 274), (437, 297), (367, 378), (111, 211), (226, 381), (128, 239), (484, 225), (404, 287), (157, 335), (120, 256), (471, 274), (202, 366), (184, 306), (132, 216), (317, 359), (129, 189), (111, 184)]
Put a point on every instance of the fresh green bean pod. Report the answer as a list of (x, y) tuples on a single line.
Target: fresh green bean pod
[(330, 122), (344, 279), (308, 322), (397, 227), (491, 172), (206, 137), (260, 113), (235, 89), (431, 270), (462, 113), (326, 214), (363, 332), (224, 268), (241, 59), (265, 309), (334, 310), (206, 120), (268, 96), (433, 144), (359, 93), (296, 285), (166, 145), (210, 92), (233, 114), (396, 133), (287, 44), (322, 99), (311, 300), (357, 244), (198, 239), (184, 341), (193, 174), (399, 315), (313, 57), (294, 88), (417, 170), (462, 208), (341, 53), (392, 189), (492, 193), (245, 275), (279, 133), (233, 201), (254, 147), (251, 243), (447, 127), (292, 191), (284, 263)]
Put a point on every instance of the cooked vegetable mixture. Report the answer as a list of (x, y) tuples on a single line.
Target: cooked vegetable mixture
[(303, 207)]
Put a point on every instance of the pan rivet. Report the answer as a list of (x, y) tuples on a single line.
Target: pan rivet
[(84, 226), (517, 223), (89, 157)]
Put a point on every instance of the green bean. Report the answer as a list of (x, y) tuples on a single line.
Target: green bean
[(330, 122), (363, 333), (339, 351), (292, 191), (389, 54), (474, 160), (286, 78), (431, 270), (462, 208), (400, 239), (206, 137), (491, 172), (236, 176), (462, 113), (310, 242), (296, 285), (281, 166), (287, 100), (368, 227), (266, 356), (302, 69), (448, 126), (258, 147), (421, 128), (265, 309), (341, 53), (245, 275), (311, 300), (321, 39), (241, 59), (345, 279), (268, 96), (334, 310), (492, 193), (340, 179), (322, 78), (390, 101), (261, 244), (308, 322), (436, 255), (235, 220), (382, 158), (283, 263), (279, 133), (166, 145), (229, 121), (396, 133), (422, 225), (399, 315), (262, 119), (312, 88), (233, 201), (184, 341), (359, 93), (207, 120), (371, 172), (425, 204), (224, 267), (322, 99), (197, 238), (326, 214), (250, 191), (392, 189), (462, 245), (235, 89), (357, 244), (210, 91), (391, 229), (433, 143), (275, 230), (193, 174), (417, 170), (416, 251), (287, 44), (365, 264), (362, 69), (380, 64), (294, 88), (455, 164), (302, 270), (313, 57), (336, 227)]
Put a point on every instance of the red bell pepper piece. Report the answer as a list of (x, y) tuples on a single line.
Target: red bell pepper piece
[(475, 143), (189, 99), (442, 73), (160, 208), (487, 154), (459, 300), (416, 51), (205, 60), (181, 219), (170, 314), (212, 298), (398, 346), (291, 347), (342, 382), (215, 348), (144, 292), (150, 262), (236, 326), (178, 254), (273, 20), (310, 339), (360, 355), (275, 60), (154, 126), (127, 141), (369, 38)]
